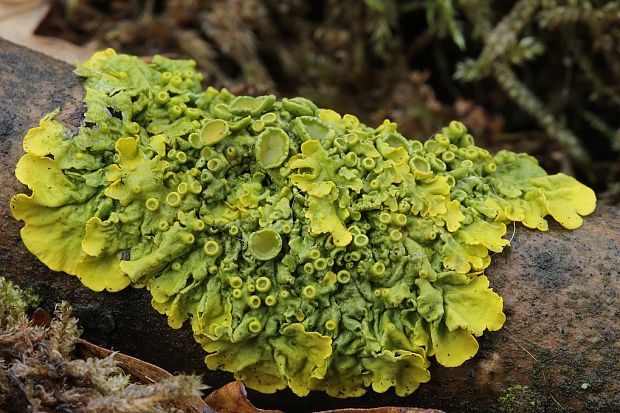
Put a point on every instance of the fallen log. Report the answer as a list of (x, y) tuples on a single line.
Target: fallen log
[(558, 351)]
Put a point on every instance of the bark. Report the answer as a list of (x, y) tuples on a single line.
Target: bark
[(561, 292)]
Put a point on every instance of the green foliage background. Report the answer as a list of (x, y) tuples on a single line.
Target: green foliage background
[(541, 76)]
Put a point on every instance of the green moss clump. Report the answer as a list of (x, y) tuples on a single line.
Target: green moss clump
[(306, 249), (13, 304), (520, 399), (37, 361)]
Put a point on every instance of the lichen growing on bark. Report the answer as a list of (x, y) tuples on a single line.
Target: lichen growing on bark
[(306, 249)]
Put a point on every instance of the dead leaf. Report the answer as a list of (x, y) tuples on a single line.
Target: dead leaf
[(20, 18), (232, 398)]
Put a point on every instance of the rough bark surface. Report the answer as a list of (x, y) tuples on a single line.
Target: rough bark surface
[(561, 293)]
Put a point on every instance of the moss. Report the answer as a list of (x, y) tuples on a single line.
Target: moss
[(520, 399), (13, 304), (316, 253), (37, 362)]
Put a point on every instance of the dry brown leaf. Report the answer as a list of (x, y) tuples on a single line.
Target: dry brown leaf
[(232, 398), (20, 18)]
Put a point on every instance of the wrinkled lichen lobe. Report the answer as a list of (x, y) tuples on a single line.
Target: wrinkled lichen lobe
[(306, 249)]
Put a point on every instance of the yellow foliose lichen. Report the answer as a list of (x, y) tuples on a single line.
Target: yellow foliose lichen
[(306, 249)]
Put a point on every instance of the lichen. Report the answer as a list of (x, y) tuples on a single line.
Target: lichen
[(306, 249)]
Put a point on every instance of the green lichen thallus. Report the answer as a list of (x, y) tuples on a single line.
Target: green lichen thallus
[(305, 248)]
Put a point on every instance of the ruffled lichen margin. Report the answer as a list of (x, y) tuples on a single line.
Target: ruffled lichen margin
[(306, 249)]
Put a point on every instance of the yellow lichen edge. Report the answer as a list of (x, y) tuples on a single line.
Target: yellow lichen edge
[(56, 211), (306, 249)]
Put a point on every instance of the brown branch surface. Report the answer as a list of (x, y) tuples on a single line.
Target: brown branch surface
[(561, 293)]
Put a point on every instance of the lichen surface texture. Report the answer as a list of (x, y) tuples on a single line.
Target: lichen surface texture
[(306, 249)]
